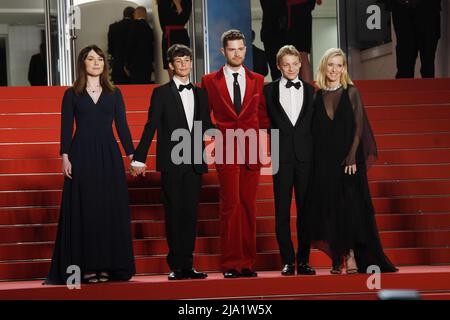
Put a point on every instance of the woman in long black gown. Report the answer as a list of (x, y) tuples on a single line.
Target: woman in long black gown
[(339, 215), (94, 231)]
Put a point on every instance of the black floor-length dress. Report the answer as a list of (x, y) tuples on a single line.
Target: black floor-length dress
[(339, 214), (94, 231)]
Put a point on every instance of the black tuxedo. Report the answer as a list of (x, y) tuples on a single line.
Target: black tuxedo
[(295, 157), (166, 114), (117, 39), (139, 57), (180, 182)]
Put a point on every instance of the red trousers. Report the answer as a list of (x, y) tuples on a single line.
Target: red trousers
[(238, 188)]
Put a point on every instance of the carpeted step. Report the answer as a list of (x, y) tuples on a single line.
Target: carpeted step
[(265, 261), (210, 244), (52, 163)]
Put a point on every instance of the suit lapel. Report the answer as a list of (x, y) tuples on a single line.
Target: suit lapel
[(276, 101), (306, 97), (196, 103), (178, 104), (221, 86), (249, 88)]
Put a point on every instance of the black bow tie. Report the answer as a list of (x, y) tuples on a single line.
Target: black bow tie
[(297, 85), (182, 87)]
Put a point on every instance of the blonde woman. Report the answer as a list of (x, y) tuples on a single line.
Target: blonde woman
[(339, 215)]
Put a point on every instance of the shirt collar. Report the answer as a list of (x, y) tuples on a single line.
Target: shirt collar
[(283, 80), (178, 82), (229, 72)]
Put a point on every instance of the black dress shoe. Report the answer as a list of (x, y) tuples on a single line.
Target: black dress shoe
[(247, 273), (232, 273), (194, 274), (176, 275), (305, 269), (288, 270)]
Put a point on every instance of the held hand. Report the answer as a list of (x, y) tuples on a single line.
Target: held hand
[(135, 171), (127, 72), (178, 6), (66, 167), (130, 156), (319, 2), (351, 169)]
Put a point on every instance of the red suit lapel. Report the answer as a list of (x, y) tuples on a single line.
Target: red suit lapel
[(249, 88), (221, 86)]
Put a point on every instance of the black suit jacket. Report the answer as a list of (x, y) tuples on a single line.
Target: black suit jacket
[(295, 141), (139, 55), (166, 114), (117, 40)]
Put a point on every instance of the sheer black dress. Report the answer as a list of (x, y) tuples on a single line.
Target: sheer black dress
[(94, 230), (339, 215)]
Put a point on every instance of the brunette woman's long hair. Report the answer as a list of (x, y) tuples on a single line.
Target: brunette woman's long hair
[(79, 86)]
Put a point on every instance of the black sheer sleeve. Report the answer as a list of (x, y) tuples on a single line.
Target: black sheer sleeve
[(363, 132), (67, 118), (120, 120)]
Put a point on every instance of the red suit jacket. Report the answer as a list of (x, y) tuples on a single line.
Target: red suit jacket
[(253, 113)]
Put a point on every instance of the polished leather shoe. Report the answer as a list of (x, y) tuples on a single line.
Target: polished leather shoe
[(231, 274), (194, 274), (247, 273), (176, 275), (305, 269), (288, 270)]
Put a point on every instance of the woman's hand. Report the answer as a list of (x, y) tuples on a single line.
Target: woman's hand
[(351, 169), (130, 156), (178, 6), (66, 166)]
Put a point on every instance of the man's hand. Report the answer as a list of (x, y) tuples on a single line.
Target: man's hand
[(137, 170)]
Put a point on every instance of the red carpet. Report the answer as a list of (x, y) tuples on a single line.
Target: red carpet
[(431, 282), (410, 185)]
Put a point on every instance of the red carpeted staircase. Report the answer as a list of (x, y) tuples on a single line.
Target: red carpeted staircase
[(410, 182)]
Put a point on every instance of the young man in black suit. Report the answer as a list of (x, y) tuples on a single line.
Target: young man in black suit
[(290, 107), (178, 108)]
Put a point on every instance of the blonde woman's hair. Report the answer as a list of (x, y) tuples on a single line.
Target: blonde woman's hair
[(287, 50), (321, 78)]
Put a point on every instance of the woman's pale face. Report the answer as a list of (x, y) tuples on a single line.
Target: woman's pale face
[(334, 69), (94, 64)]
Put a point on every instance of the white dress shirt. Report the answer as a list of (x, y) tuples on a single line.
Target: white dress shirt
[(229, 78), (291, 99), (187, 98)]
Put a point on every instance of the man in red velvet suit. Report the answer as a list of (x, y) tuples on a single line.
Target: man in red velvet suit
[(236, 99)]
